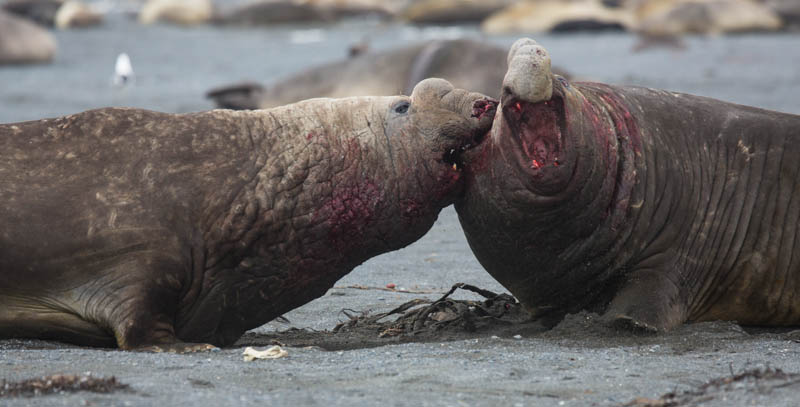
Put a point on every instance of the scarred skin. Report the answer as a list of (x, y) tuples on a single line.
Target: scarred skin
[(655, 208), (172, 232)]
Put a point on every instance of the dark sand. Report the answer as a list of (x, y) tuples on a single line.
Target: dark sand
[(577, 363)]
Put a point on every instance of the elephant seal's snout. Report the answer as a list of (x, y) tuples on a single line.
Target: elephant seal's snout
[(484, 108), (529, 77)]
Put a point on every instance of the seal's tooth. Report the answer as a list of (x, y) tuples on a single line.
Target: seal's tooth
[(529, 76)]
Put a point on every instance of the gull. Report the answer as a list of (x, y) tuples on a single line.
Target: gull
[(123, 71)]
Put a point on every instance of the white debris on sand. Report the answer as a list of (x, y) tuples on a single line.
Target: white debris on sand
[(273, 352)]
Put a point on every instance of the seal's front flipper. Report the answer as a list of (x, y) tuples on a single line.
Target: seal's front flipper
[(648, 303), (154, 333)]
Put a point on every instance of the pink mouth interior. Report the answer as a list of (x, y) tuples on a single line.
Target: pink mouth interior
[(536, 126)]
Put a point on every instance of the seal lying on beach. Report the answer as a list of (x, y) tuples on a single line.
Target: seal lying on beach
[(478, 65), (653, 207), (172, 232), (390, 72)]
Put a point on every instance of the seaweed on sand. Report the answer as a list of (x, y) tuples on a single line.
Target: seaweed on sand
[(422, 315)]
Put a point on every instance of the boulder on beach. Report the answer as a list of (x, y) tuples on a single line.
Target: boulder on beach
[(273, 12), (270, 12), (24, 42), (557, 16), (357, 8), (42, 12), (55, 13), (788, 11), (183, 12), (451, 11), (75, 14), (705, 17)]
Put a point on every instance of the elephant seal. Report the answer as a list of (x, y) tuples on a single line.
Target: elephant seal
[(653, 207), (171, 232), (469, 64)]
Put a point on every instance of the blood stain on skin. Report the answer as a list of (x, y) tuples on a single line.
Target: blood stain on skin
[(350, 211), (411, 209)]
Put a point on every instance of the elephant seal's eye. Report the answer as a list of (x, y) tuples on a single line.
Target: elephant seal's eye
[(402, 107)]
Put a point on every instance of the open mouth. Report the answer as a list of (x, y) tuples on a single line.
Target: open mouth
[(453, 157), (483, 110), (538, 128)]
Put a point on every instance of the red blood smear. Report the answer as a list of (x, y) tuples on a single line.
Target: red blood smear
[(350, 211), (481, 107)]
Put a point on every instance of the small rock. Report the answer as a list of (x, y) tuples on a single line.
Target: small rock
[(184, 12)]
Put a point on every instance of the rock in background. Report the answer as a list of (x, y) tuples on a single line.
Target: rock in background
[(183, 12), (704, 17), (55, 13), (24, 42), (451, 11), (558, 16), (75, 14)]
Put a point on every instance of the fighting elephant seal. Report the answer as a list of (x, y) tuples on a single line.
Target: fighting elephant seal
[(144, 229), (653, 207)]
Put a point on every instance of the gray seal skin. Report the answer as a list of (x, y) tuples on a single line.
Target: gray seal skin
[(653, 207), (171, 232)]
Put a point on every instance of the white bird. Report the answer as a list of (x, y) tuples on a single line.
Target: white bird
[(123, 71)]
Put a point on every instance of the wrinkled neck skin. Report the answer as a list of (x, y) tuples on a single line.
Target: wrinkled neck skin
[(331, 190), (553, 190)]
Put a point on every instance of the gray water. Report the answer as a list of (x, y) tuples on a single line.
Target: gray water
[(175, 66)]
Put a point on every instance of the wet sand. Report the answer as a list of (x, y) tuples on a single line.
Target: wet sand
[(578, 363)]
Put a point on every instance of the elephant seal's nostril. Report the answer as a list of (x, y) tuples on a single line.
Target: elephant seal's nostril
[(482, 107)]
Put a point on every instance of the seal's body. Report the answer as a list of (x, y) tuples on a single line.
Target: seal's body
[(144, 229), (655, 207)]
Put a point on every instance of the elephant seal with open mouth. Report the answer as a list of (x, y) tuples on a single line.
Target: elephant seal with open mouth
[(173, 232), (653, 207)]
